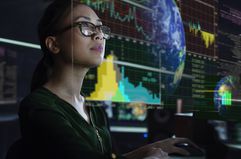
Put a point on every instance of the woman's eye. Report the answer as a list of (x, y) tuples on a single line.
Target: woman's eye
[(91, 28)]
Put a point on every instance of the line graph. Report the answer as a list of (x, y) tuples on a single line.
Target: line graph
[(128, 17), (207, 37), (200, 24)]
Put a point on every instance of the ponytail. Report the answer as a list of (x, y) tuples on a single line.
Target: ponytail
[(42, 72), (48, 25)]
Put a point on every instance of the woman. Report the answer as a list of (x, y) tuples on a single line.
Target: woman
[(54, 121)]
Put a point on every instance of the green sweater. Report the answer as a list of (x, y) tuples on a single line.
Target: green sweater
[(52, 128)]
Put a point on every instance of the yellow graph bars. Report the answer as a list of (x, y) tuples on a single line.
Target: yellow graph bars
[(207, 37), (107, 86), (112, 85)]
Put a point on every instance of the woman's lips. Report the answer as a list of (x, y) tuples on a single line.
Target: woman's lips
[(98, 48)]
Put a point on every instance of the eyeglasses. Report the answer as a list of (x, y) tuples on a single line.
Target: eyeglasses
[(88, 29)]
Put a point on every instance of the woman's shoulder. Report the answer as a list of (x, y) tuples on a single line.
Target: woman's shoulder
[(40, 98)]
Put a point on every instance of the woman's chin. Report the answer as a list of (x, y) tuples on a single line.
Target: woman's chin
[(95, 62), (98, 63)]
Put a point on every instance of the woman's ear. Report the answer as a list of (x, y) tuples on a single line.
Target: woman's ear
[(52, 44)]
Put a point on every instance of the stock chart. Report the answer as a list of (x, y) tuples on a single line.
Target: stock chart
[(135, 69), (157, 59), (130, 70)]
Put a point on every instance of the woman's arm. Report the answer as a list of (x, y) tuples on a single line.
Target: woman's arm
[(160, 149)]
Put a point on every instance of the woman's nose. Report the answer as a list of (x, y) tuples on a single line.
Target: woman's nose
[(99, 36)]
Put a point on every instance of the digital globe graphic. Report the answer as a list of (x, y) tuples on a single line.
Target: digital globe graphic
[(170, 39), (223, 93)]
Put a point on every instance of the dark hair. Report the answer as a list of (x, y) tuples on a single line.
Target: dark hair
[(47, 26)]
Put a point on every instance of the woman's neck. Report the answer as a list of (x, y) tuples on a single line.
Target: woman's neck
[(67, 82)]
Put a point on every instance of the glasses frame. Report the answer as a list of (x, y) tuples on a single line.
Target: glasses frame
[(80, 24)]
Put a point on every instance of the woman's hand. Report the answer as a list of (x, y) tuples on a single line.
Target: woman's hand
[(168, 145), (156, 153), (160, 149), (147, 152)]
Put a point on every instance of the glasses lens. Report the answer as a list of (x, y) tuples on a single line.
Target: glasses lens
[(106, 31), (87, 29)]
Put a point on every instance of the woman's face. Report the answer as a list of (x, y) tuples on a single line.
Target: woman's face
[(77, 48)]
